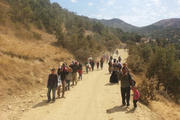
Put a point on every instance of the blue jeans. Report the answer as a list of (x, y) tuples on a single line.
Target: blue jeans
[(53, 89)]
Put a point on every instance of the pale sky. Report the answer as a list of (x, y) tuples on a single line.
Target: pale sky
[(135, 12)]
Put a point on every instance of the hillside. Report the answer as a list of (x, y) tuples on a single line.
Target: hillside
[(165, 29), (25, 61), (26, 56), (172, 23), (168, 29), (117, 23), (70, 29)]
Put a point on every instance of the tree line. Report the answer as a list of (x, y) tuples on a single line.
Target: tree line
[(160, 62), (78, 34)]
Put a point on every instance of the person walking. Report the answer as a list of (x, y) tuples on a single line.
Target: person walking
[(110, 67), (74, 68), (119, 58), (59, 81), (52, 84), (92, 64), (136, 95), (63, 74), (80, 71), (102, 62), (87, 67), (125, 86), (68, 78), (97, 64)]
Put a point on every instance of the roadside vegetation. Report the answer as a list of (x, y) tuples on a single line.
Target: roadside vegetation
[(80, 35), (159, 62)]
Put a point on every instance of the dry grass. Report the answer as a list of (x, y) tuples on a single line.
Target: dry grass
[(25, 61), (89, 33), (166, 108), (26, 56)]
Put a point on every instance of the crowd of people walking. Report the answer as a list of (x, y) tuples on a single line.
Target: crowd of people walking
[(67, 76), (61, 81)]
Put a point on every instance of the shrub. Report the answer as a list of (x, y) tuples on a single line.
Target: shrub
[(37, 36), (147, 91), (135, 63)]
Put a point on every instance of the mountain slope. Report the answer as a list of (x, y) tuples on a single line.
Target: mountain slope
[(164, 29), (70, 29), (172, 23), (117, 23)]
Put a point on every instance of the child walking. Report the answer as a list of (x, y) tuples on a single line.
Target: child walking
[(136, 96)]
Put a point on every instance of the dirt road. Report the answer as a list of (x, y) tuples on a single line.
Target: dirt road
[(92, 99)]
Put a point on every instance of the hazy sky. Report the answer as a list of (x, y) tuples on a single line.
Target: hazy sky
[(135, 12)]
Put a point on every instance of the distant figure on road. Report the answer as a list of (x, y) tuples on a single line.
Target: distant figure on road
[(102, 62), (111, 58), (117, 52), (110, 67), (80, 70), (119, 59), (87, 67), (52, 84), (92, 64), (97, 64)]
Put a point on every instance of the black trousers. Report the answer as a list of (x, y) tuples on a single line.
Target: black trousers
[(135, 103), (125, 94)]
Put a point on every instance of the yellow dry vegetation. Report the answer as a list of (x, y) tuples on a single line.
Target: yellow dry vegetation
[(26, 61)]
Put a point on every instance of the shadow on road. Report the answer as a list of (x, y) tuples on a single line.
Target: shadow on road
[(116, 109), (40, 104), (110, 84), (131, 111)]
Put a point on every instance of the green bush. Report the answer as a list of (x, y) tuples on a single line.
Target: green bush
[(158, 62), (135, 63)]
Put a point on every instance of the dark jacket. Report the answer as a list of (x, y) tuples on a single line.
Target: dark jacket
[(63, 73), (74, 68), (125, 80), (52, 81), (92, 63)]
